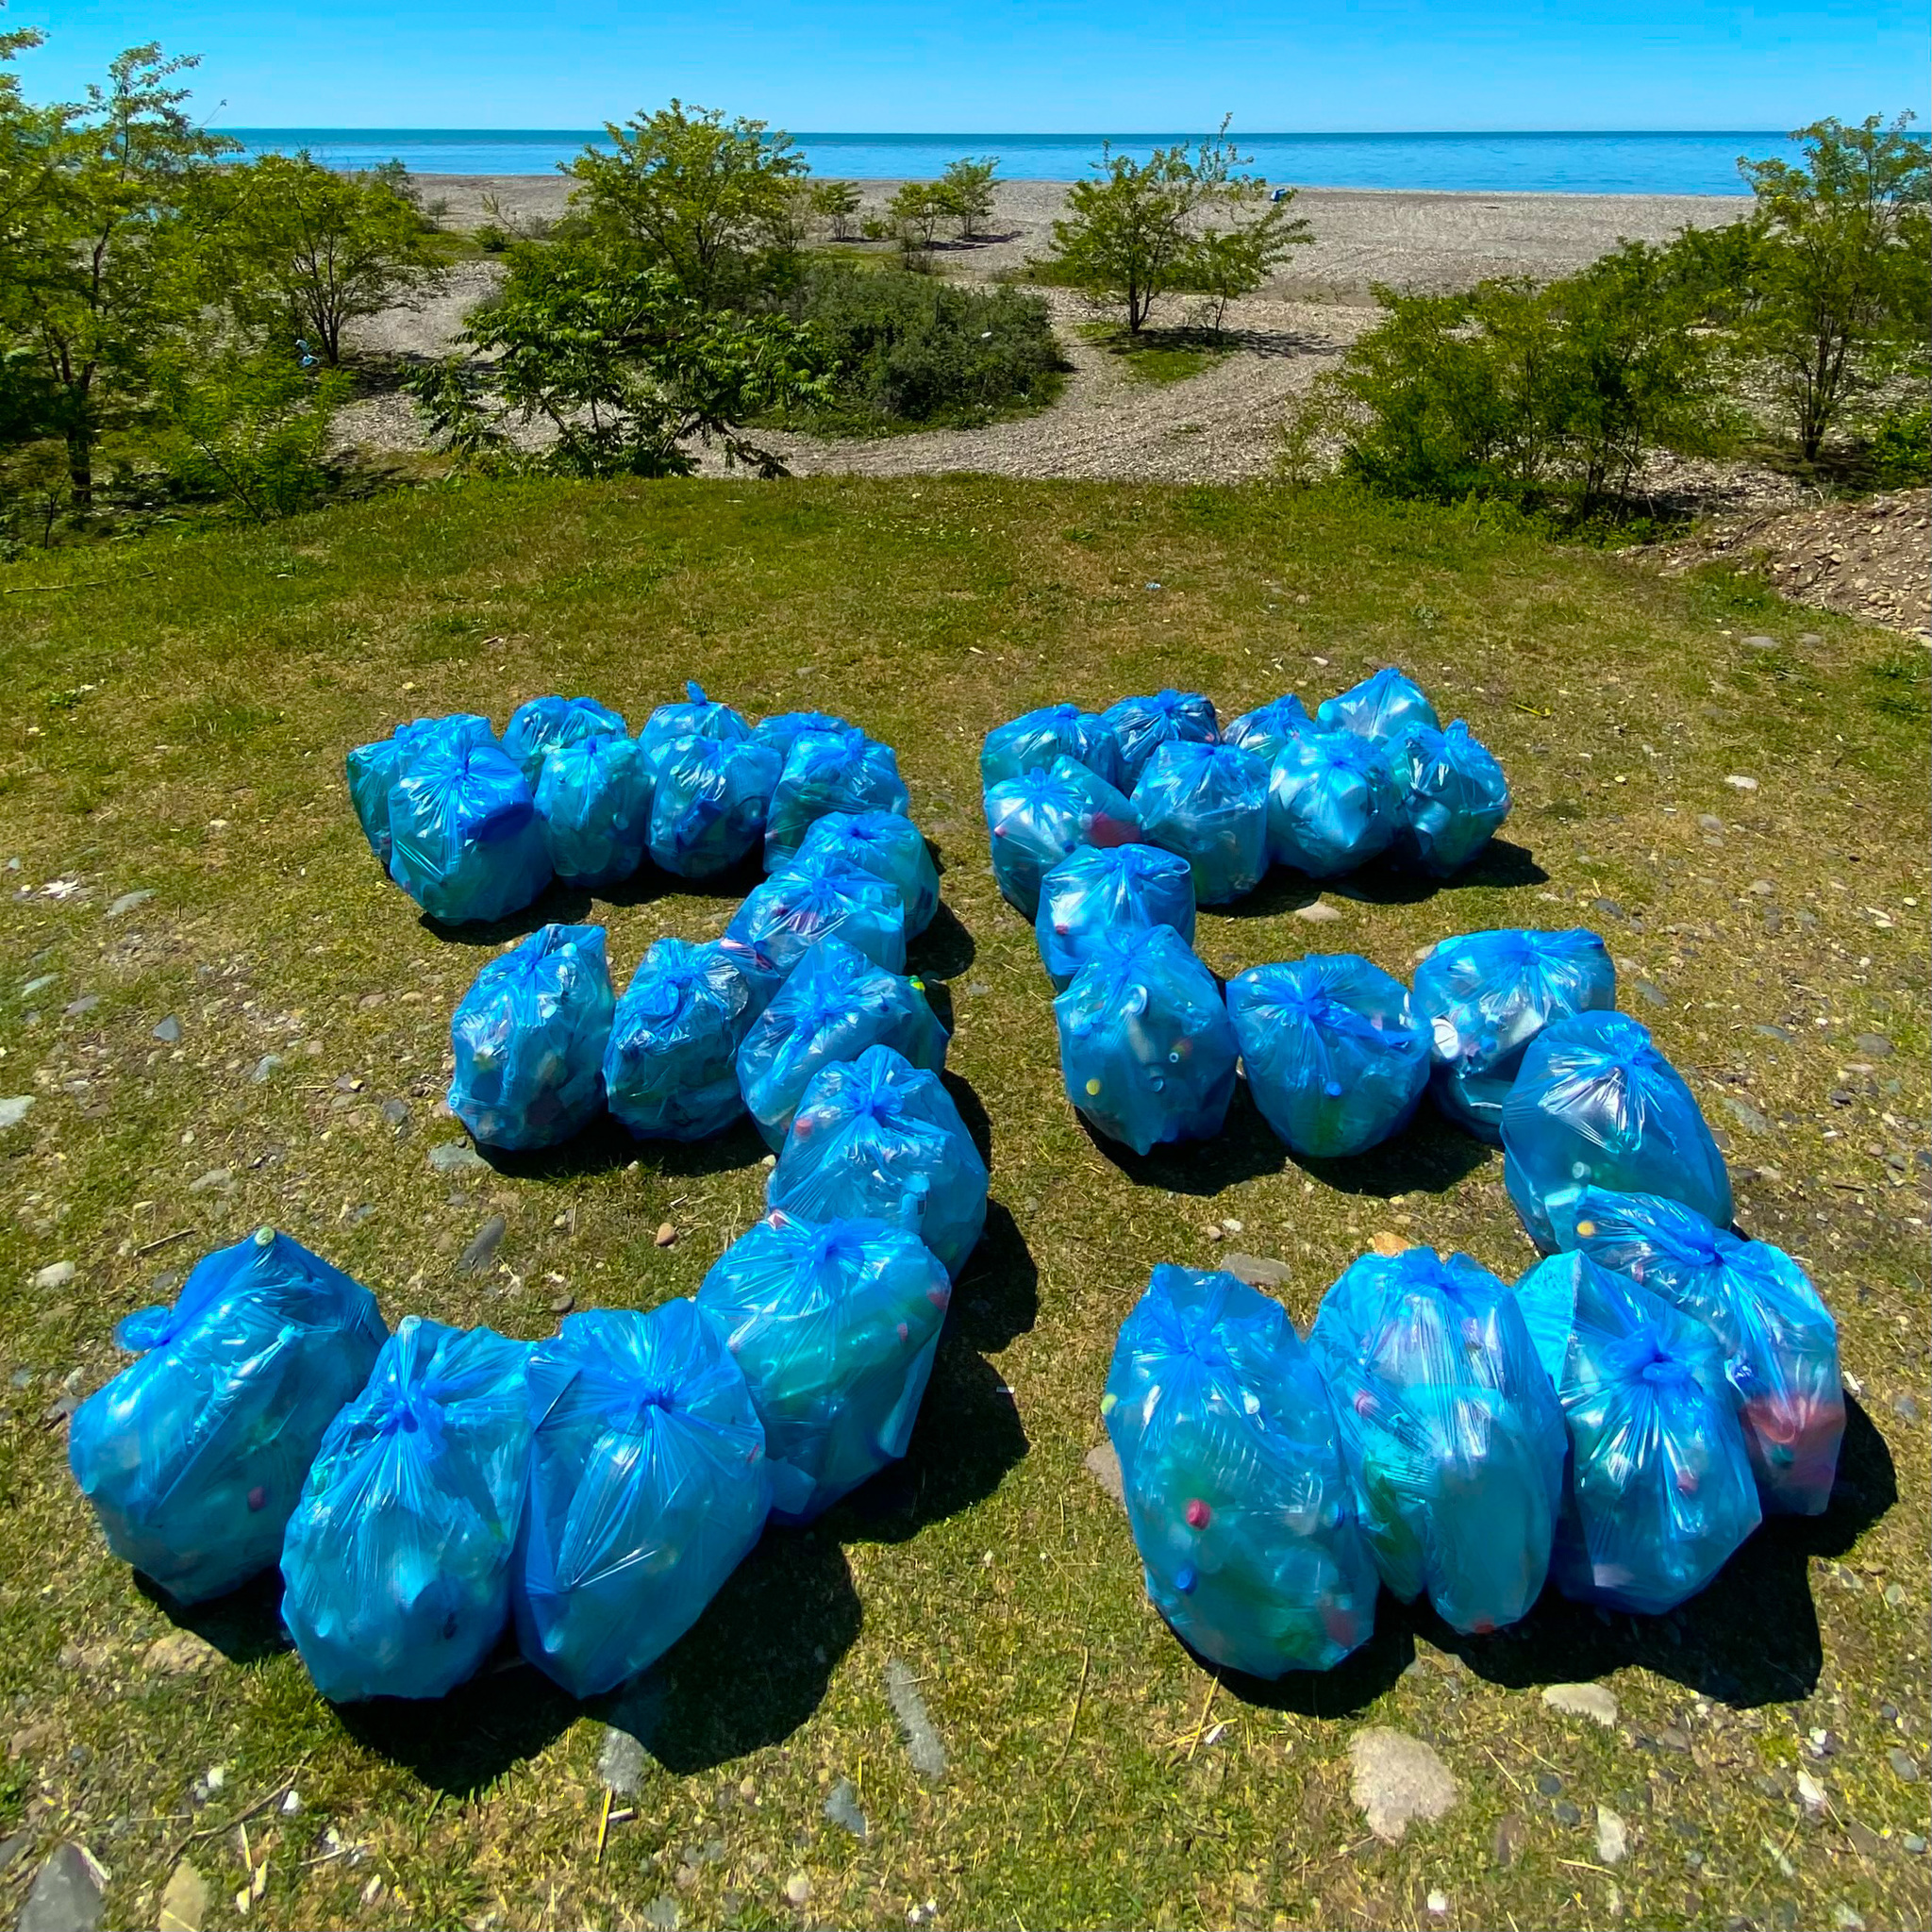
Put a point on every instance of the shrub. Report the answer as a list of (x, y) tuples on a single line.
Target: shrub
[(1901, 448)]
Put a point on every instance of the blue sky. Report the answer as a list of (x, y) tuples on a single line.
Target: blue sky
[(1016, 66)]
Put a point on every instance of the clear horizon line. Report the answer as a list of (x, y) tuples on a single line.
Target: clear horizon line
[(1053, 134)]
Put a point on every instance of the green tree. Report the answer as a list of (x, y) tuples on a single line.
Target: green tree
[(835, 203), (705, 200), (965, 192), (916, 211)]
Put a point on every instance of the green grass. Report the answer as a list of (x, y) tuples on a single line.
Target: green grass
[(178, 712), (1160, 356)]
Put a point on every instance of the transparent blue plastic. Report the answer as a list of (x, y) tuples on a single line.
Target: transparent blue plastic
[(1486, 995), (193, 1457), (708, 801), (1146, 1051), (466, 843), (648, 1487), (1595, 1105), (697, 717), (1380, 707), (1332, 804), (827, 772), (373, 769), (1453, 794), (1210, 804), (540, 726), (1335, 1059), (396, 1564), (836, 1003), (1658, 1493), (886, 845), (801, 904), (1119, 890), (1268, 727), (1778, 1337), (530, 1038), (594, 798), (877, 1139), (1034, 820), (1450, 1430), (834, 1325), (670, 1065), (1236, 1493), (1139, 725), (783, 729), (1036, 740)]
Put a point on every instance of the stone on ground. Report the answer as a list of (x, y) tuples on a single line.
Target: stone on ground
[(66, 1895), (1396, 1780), (1582, 1700), (184, 1904)]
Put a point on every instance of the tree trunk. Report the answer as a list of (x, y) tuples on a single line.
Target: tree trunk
[(81, 467)]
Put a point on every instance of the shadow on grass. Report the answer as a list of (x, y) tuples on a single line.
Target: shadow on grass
[(245, 1625), (944, 950), (1392, 881), (606, 1144), (567, 904), (1245, 1149), (1429, 1157), (1353, 1685), (997, 1296)]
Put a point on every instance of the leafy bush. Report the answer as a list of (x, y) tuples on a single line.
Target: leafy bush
[(1901, 449)]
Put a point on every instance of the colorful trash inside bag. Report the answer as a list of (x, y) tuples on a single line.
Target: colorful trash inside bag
[(1119, 889), (1140, 724), (1034, 739), (544, 724), (886, 845), (834, 1325), (372, 768), (1235, 1488), (466, 843), (1778, 1337), (594, 795), (193, 1457), (1035, 820), (1452, 796), (708, 801), (530, 1038), (877, 1139), (824, 772), (671, 1064), (799, 905), (648, 1487), (1595, 1105), (836, 1003), (397, 1562), (783, 729), (1659, 1490), (1268, 727), (1209, 803), (1335, 1059), (1449, 1431), (1332, 804), (1486, 995), (1381, 707), (1146, 1051), (697, 717)]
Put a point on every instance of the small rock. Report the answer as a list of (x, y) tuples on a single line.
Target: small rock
[(1863, 1838), (168, 1031), (1759, 643), (923, 1743), (1439, 1904), (1903, 1767), (74, 1009), (1512, 1836), (621, 1762), (15, 1109), (1609, 907), (215, 1178), (1256, 1270), (396, 1112), (1565, 1812), (127, 902), (291, 1804), (1783, 1033), (1845, 1918), (264, 1067), (1583, 1700), (1810, 1792), (1103, 1463), (977, 987), (798, 1889), (666, 1234), (1746, 1115), (1384, 1242), (1895, 1595), (66, 1895), (455, 1157), (842, 1809), (11, 1848), (483, 1246), (55, 1274), (1397, 1779), (1710, 822), (1613, 1836), (1738, 782), (662, 1914), (1914, 1842), (1875, 1047), (1654, 995), (562, 1302), (184, 1904), (1671, 1739), (1319, 914), (1548, 1784)]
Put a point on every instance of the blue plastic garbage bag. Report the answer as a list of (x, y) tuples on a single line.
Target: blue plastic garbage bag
[(397, 1562), (540, 726), (1778, 1337), (372, 768), (877, 1139), (1034, 739), (648, 1487), (594, 798), (1140, 724), (1035, 820), (193, 1457), (1452, 796), (836, 1003), (1209, 803), (1268, 727), (1235, 1488), (530, 1038), (1146, 1050), (888, 845), (1486, 995), (1660, 1491), (1336, 1059), (835, 1325), (1121, 889), (783, 729), (697, 717), (1595, 1105), (825, 772), (1449, 1431), (466, 843), (798, 906), (671, 1064), (708, 801), (1332, 804), (1380, 707)]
